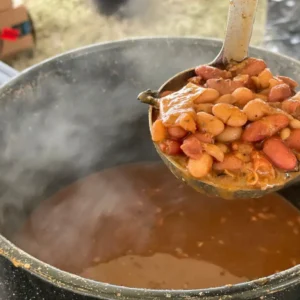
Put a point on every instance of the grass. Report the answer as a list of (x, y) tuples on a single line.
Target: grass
[(62, 25)]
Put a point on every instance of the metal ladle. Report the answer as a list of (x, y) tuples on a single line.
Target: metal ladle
[(240, 22)]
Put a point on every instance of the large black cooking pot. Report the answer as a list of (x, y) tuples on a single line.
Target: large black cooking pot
[(76, 114)]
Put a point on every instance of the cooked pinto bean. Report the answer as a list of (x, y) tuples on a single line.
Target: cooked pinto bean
[(295, 124), (223, 147), (256, 109), (187, 122), (242, 96), (279, 92), (274, 81), (229, 114), (279, 154), (285, 133), (254, 67), (177, 132), (201, 167), (230, 163), (204, 137), (208, 95), (292, 107), (158, 131), (250, 66), (243, 78), (251, 85), (246, 80), (261, 96), (209, 123), (214, 151), (265, 92), (230, 134), (170, 147), (191, 147), (265, 127), (256, 82), (228, 98), (264, 78), (206, 107), (208, 72), (292, 83), (293, 141), (224, 86)]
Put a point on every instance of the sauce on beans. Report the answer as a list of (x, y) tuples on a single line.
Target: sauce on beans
[(137, 226), (235, 128)]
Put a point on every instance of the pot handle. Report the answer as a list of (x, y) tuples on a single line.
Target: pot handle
[(6, 73)]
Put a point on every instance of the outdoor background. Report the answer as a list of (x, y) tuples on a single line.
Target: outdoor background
[(62, 25)]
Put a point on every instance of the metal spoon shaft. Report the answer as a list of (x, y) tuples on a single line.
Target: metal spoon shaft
[(241, 16)]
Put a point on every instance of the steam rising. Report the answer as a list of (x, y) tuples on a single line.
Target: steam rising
[(77, 116)]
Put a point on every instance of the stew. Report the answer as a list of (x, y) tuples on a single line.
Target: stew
[(237, 127), (137, 226)]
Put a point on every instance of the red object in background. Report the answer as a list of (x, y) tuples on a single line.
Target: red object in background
[(10, 44), (10, 34)]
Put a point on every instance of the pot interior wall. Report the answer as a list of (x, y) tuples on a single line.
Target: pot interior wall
[(78, 114)]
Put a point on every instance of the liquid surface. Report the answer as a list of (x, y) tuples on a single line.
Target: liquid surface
[(138, 226)]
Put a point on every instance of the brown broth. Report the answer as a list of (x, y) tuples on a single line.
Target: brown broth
[(136, 225)]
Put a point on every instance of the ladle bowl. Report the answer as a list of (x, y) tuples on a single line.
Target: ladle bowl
[(208, 187), (203, 186), (240, 22)]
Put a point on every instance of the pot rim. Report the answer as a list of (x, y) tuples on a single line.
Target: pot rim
[(254, 289)]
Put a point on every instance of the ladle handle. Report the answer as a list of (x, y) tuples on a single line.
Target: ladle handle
[(149, 97), (241, 16)]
